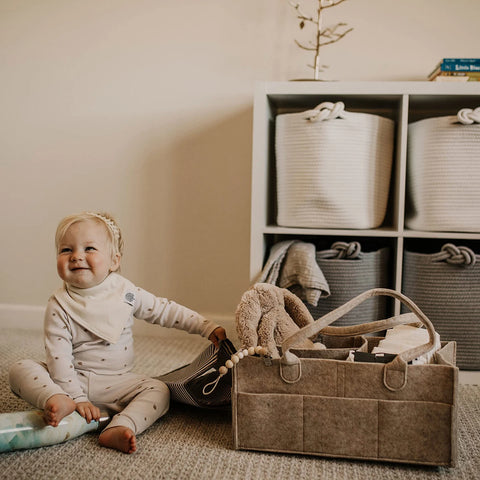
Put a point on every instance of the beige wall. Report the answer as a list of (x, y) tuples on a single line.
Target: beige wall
[(143, 108)]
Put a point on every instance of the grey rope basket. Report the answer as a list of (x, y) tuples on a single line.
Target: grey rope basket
[(446, 287), (350, 271)]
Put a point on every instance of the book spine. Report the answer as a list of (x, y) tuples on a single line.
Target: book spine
[(456, 77), (459, 74), (442, 78), (456, 65), (460, 67), (460, 60)]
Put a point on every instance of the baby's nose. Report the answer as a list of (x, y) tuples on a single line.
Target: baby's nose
[(76, 256)]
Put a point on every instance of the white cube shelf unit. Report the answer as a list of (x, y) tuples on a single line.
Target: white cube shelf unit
[(403, 102)]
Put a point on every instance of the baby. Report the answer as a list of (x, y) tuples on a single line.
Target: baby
[(88, 337)]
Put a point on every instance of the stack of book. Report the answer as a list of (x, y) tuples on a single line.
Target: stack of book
[(456, 70)]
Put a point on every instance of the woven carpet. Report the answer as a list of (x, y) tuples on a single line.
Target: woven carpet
[(192, 443)]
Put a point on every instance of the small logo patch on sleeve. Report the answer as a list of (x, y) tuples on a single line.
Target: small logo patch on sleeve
[(130, 298)]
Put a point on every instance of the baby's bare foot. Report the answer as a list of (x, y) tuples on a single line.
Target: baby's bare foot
[(57, 407), (120, 438)]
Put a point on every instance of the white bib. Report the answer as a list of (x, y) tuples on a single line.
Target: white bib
[(103, 309)]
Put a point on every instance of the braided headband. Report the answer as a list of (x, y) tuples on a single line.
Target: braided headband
[(109, 223)]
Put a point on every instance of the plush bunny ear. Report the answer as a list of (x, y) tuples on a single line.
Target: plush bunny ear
[(296, 309), (248, 315), (266, 314), (266, 333)]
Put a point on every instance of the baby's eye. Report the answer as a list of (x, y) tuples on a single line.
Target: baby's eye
[(65, 250), (90, 249)]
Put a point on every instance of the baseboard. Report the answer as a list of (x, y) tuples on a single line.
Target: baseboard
[(30, 317), (469, 377)]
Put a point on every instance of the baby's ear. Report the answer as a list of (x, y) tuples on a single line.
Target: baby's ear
[(115, 262)]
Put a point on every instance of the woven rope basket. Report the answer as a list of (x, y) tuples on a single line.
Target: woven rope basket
[(333, 168), (349, 272), (446, 287), (443, 173)]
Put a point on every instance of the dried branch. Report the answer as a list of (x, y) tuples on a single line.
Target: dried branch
[(336, 38), (313, 66), (313, 48), (323, 37), (301, 15), (330, 32), (333, 4)]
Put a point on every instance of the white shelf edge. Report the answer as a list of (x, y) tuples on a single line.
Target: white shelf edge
[(445, 235), (369, 88), (378, 232)]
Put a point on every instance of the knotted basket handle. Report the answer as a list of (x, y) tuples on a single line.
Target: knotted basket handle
[(450, 253), (467, 116), (326, 111), (395, 372)]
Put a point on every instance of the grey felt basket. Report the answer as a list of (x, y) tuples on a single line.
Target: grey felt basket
[(446, 286), (349, 271), (310, 403)]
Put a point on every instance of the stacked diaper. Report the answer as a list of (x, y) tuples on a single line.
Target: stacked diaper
[(405, 337)]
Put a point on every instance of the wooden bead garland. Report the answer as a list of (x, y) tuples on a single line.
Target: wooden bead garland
[(234, 359), (237, 356)]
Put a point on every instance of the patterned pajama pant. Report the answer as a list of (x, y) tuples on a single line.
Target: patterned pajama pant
[(136, 400)]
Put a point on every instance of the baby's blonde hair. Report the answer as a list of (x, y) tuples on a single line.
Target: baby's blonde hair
[(113, 230)]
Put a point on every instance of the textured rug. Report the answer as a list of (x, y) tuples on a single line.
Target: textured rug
[(191, 443)]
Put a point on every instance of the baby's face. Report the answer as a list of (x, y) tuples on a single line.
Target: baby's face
[(84, 257)]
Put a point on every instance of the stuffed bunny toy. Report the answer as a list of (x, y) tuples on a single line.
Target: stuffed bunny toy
[(267, 315)]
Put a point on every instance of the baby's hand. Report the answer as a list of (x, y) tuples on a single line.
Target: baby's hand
[(217, 335), (88, 411)]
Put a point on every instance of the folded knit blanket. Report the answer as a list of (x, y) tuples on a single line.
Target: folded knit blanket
[(292, 264)]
